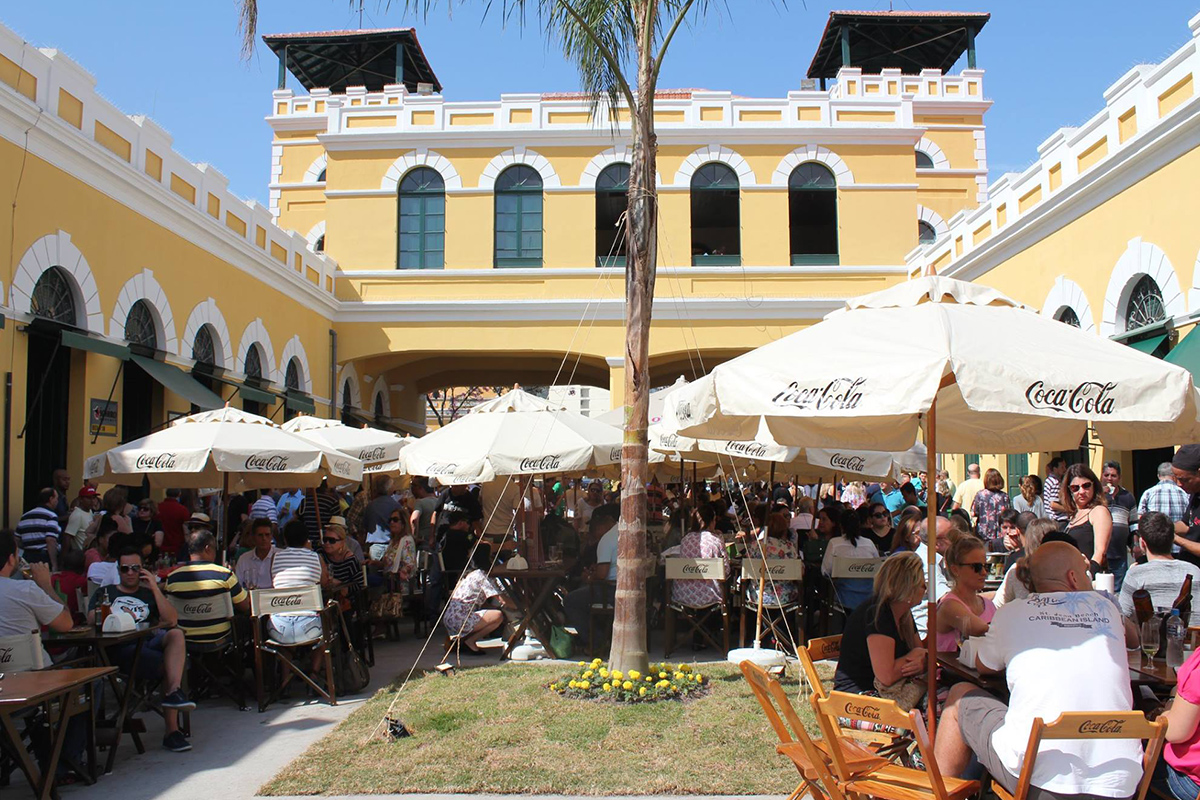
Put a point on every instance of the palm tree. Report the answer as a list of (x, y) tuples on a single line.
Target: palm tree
[(618, 47)]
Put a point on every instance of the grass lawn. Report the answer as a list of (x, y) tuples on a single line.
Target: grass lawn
[(499, 729)]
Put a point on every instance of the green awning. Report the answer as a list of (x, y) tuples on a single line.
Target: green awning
[(179, 382), (1186, 354), (256, 395), (1149, 345), (300, 402), (81, 341)]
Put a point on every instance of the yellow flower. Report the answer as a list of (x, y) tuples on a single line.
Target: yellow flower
[(627, 686), (663, 684), (642, 692), (678, 676), (583, 663), (587, 674), (649, 679), (662, 674), (634, 674), (699, 678), (685, 667), (572, 684), (585, 686), (603, 672), (554, 687), (596, 662), (608, 687), (616, 673)]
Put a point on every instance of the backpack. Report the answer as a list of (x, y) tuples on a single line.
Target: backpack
[(350, 671)]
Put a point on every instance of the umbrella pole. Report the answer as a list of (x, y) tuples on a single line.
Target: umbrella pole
[(223, 520), (931, 567), (772, 477)]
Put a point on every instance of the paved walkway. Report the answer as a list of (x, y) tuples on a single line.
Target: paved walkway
[(235, 752)]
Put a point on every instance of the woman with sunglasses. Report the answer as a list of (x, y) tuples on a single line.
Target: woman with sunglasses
[(877, 526), (400, 556), (1091, 524), (961, 611)]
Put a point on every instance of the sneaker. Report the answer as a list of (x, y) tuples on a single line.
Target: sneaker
[(175, 742), (178, 701)]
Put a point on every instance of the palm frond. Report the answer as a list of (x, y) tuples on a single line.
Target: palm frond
[(247, 26)]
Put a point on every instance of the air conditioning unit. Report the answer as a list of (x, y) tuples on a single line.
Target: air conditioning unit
[(808, 85), (424, 88)]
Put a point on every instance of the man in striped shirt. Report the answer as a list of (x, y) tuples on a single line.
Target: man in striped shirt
[(202, 578), (39, 531), (264, 507)]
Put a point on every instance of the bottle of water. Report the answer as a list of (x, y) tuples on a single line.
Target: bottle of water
[(1176, 631)]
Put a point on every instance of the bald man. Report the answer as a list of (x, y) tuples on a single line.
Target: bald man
[(941, 585), (1062, 649)]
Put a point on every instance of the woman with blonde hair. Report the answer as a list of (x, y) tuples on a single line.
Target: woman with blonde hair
[(1011, 588), (881, 652), (962, 612)]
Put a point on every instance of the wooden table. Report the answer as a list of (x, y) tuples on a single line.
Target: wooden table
[(993, 682), (21, 691), (100, 644), (530, 589), (1150, 671)]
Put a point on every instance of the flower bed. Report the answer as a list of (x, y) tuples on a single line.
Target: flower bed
[(595, 680)]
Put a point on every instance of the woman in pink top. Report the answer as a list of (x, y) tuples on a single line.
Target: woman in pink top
[(961, 611), (1179, 770)]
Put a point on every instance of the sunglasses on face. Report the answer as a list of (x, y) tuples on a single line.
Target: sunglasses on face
[(879, 515), (394, 519), (331, 540), (130, 568), (1081, 487), (978, 566)]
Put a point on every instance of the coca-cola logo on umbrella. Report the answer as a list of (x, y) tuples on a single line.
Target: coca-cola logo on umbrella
[(542, 464), (747, 449), (1089, 397), (155, 461), (839, 394), (441, 468), (372, 454), (670, 441), (341, 466), (267, 462), (847, 462)]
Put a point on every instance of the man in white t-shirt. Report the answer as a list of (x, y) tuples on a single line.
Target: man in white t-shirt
[(964, 495), (1041, 642)]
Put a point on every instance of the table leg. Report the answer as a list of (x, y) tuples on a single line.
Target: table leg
[(32, 774), (529, 620), (123, 697), (60, 736)]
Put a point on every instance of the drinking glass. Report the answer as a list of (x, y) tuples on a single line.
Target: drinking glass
[(1150, 637)]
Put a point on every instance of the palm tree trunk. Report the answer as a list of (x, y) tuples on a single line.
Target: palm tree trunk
[(629, 624)]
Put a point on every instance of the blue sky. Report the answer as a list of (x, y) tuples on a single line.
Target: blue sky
[(1047, 62)]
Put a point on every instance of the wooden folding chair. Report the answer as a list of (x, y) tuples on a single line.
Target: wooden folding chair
[(263, 603), (811, 758), (779, 570), (890, 781), (693, 569), (889, 745), (21, 653), (1091, 725)]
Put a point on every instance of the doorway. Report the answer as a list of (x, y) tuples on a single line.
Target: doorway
[(47, 412)]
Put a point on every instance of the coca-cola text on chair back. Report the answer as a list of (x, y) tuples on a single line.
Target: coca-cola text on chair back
[(214, 608), (21, 653), (694, 569), (279, 601)]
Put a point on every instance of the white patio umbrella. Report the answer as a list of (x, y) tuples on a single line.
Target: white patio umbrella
[(225, 447), (378, 450), (515, 434), (976, 370)]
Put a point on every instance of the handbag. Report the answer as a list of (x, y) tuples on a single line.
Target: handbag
[(560, 642), (350, 670), (906, 692), (389, 605)]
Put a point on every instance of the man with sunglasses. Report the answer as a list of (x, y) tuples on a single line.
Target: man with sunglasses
[(164, 653)]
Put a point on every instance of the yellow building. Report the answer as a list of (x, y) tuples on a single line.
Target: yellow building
[(415, 243), (1100, 232)]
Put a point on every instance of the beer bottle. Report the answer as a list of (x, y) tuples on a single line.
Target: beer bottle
[(1143, 606), (1184, 601)]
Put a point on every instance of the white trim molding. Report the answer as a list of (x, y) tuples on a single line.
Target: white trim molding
[(313, 173), (57, 250), (621, 154), (144, 286), (518, 155), (930, 148), (812, 152), (705, 155), (1194, 292), (381, 389), (208, 313), (256, 333), (1066, 293), (1140, 258), (295, 349), (933, 218), (347, 375), (421, 157), (314, 234)]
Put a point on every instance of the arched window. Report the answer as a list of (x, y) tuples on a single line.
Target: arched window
[(139, 326), (422, 240), (519, 217), (1068, 316), (812, 214), (347, 403), (253, 363), (716, 218), (204, 347), (319, 245), (379, 407), (1145, 306), (923, 160), (321, 177), (612, 198), (926, 233), (293, 376), (53, 298)]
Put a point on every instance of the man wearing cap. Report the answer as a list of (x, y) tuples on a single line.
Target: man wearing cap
[(80, 519), (1186, 467)]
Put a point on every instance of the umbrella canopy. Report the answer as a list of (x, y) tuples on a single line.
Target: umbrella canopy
[(378, 450), (616, 417), (1006, 380), (515, 434), (205, 449)]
